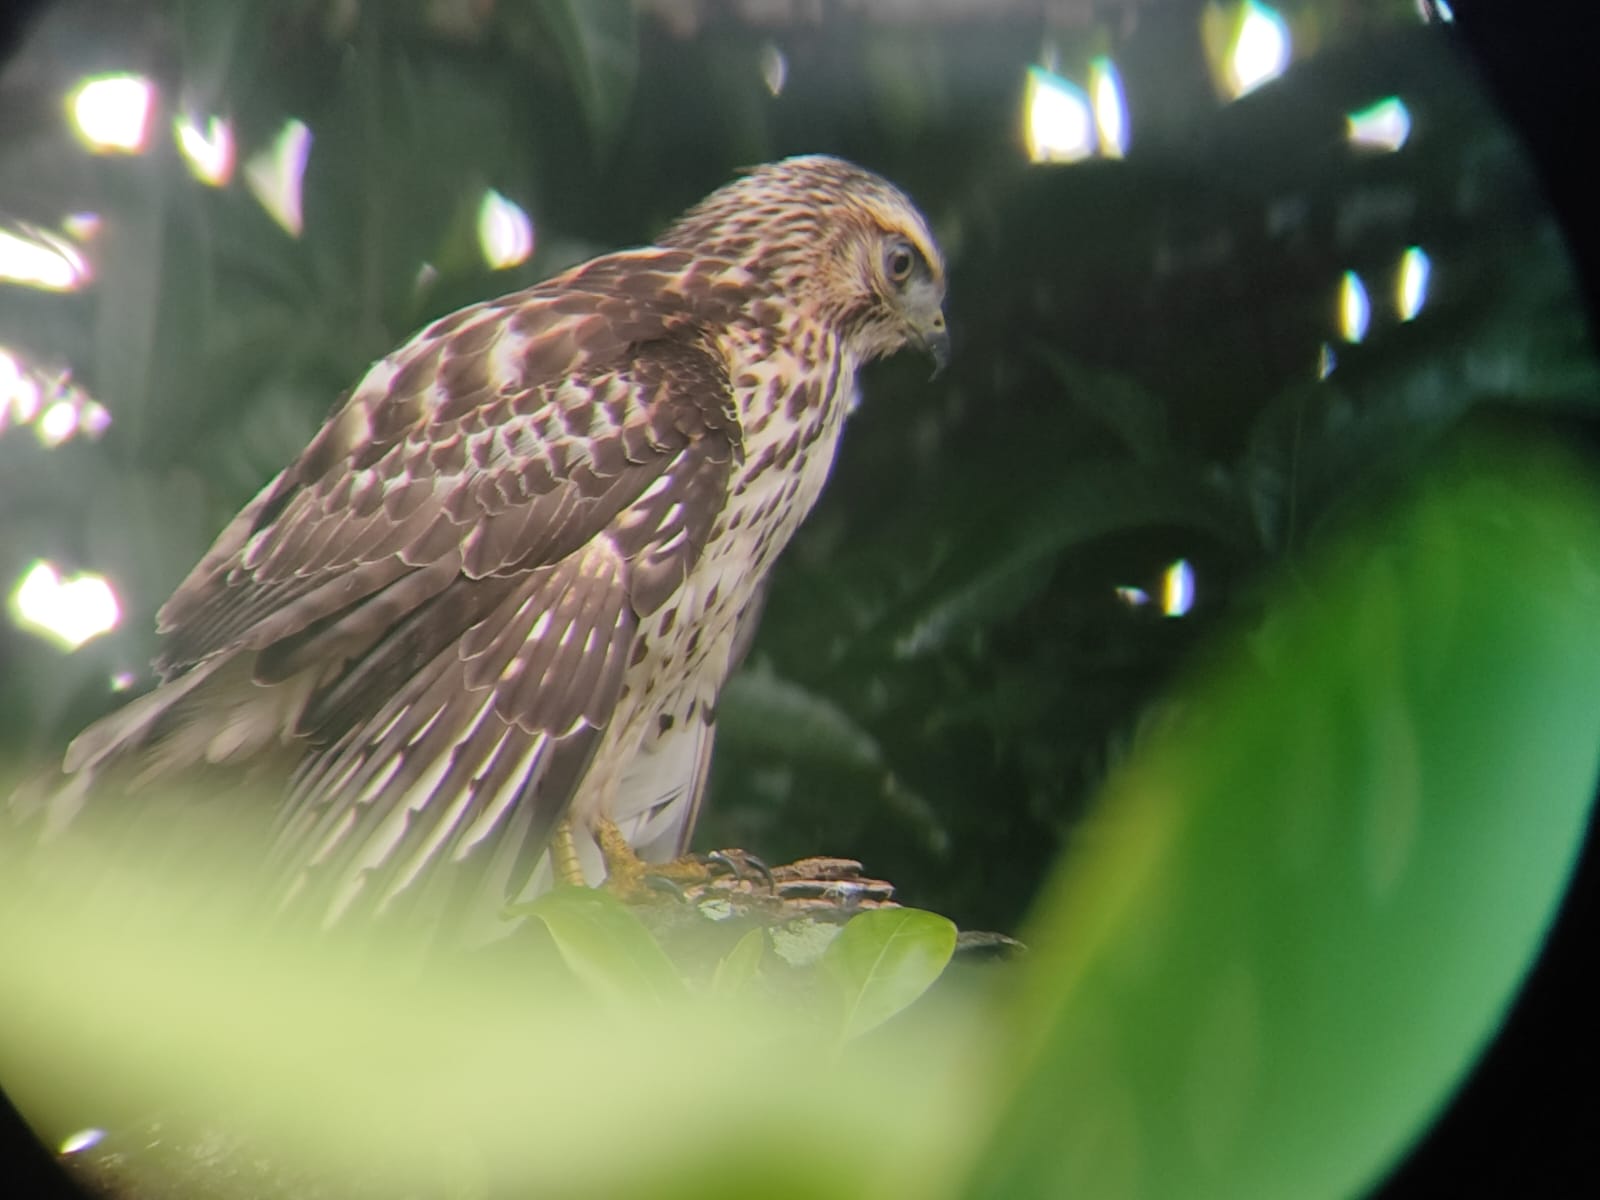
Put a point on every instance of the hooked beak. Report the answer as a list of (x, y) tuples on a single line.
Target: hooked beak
[(935, 339)]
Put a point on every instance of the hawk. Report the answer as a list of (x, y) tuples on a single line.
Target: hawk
[(488, 610)]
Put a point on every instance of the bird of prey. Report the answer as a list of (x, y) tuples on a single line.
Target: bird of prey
[(487, 612)]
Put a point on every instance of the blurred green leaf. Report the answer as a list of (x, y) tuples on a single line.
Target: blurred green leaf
[(883, 960), (599, 41), (1003, 569), (1276, 944), (739, 967), (1116, 401), (762, 709), (906, 72), (606, 946), (1287, 930)]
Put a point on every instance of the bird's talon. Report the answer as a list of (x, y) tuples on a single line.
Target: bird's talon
[(660, 883), (738, 862)]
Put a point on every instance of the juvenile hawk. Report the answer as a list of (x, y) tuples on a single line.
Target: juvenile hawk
[(489, 608)]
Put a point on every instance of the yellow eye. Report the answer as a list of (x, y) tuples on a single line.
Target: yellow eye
[(899, 260)]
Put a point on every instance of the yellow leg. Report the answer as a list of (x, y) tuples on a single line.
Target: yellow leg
[(564, 856), (626, 872), (624, 869)]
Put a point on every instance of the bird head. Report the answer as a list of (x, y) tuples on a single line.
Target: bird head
[(837, 239)]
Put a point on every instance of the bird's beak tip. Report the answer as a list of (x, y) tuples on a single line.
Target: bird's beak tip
[(937, 343)]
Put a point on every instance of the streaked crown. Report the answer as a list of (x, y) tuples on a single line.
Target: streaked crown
[(828, 233)]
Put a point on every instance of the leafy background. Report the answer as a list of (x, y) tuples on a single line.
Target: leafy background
[(945, 672), (944, 669)]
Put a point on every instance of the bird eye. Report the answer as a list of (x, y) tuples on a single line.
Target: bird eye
[(898, 260)]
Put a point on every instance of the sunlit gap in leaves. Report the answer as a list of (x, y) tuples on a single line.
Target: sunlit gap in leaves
[(56, 407), (84, 1139), (1248, 45), (1435, 10), (274, 175), (1057, 122), (1177, 589), (1110, 109), (505, 231), (19, 392), (1412, 286), (83, 226), (112, 112), (774, 69), (1327, 360), (1063, 123), (35, 257), (208, 150), (69, 611), (1355, 310), (1382, 126)]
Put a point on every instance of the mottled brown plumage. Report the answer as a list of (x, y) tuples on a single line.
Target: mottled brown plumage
[(502, 587)]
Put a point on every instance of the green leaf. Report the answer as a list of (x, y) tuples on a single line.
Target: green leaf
[(761, 708), (996, 575), (1115, 400), (883, 960), (906, 75), (606, 946), (738, 969), (1285, 934), (599, 41)]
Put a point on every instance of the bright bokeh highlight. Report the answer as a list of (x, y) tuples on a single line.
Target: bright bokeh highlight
[(23, 399), (49, 400), (69, 611), (1177, 589), (1327, 360), (84, 1139), (505, 231), (112, 112), (1260, 51), (1133, 597), (1415, 268), (1110, 109), (1385, 125), (57, 423), (93, 419), (82, 226), (10, 377), (275, 175), (774, 69), (1058, 123), (35, 258), (1355, 309), (208, 150)]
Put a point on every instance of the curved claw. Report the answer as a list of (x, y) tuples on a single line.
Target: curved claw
[(735, 861), (660, 883)]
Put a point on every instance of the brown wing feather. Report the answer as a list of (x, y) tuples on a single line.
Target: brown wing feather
[(462, 556), (508, 433)]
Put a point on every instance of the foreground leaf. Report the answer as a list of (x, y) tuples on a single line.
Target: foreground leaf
[(606, 946), (738, 969), (883, 960), (1287, 932)]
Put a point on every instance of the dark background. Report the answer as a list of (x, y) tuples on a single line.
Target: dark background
[(891, 758)]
